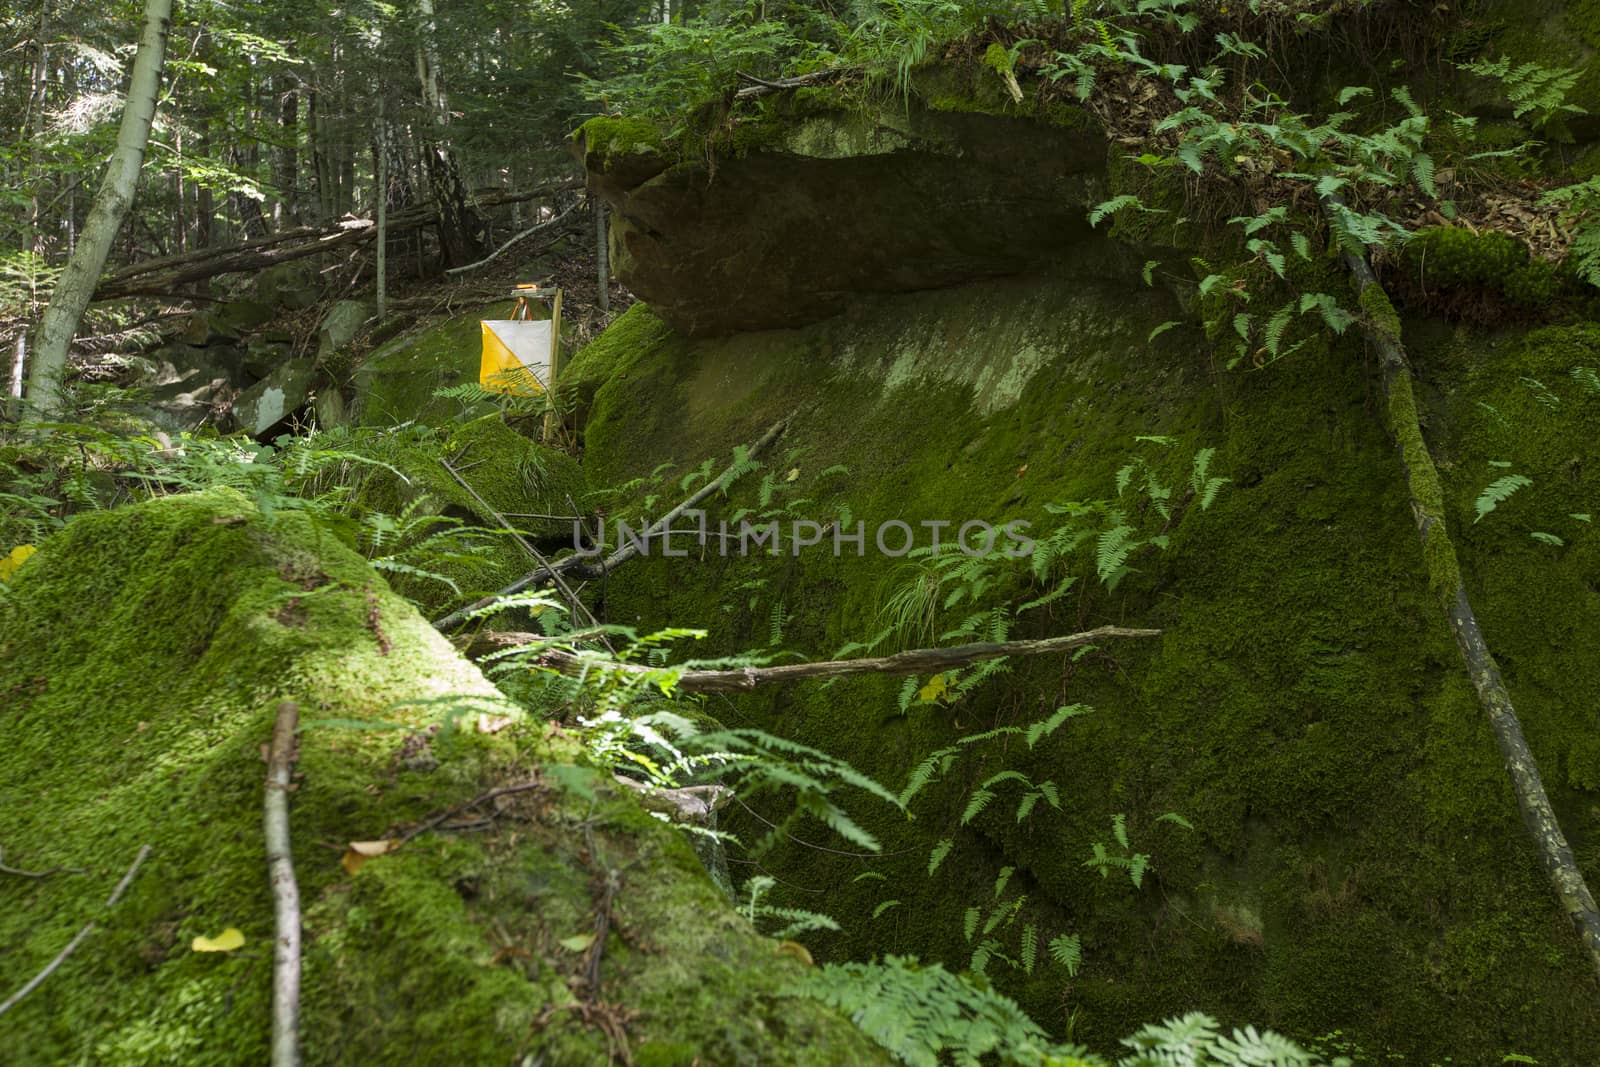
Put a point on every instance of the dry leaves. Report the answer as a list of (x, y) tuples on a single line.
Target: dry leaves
[(357, 853)]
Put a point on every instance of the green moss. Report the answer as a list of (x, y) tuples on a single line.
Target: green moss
[(609, 142), (1407, 432), (1380, 312), (1451, 256), (396, 381), (142, 654), (1305, 707)]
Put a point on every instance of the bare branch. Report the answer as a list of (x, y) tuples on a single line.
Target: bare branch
[(61, 957), (285, 891), (913, 661), (1444, 574)]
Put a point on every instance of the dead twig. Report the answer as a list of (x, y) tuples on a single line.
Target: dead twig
[(61, 957), (912, 661), (482, 798), (579, 609), (529, 232), (761, 86), (285, 890), (1443, 571), (38, 874)]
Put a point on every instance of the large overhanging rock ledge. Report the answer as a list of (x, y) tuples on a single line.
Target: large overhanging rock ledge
[(811, 209)]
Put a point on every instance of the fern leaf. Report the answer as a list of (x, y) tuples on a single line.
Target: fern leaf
[(1045, 727), (1067, 950), (937, 856), (1497, 493), (1112, 551), (1110, 207), (975, 805), (1163, 328)]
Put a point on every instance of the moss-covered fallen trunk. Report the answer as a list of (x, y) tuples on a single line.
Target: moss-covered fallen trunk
[(142, 653)]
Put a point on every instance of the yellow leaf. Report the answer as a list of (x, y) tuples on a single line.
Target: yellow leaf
[(17, 558), (358, 852), (226, 941), (792, 475), (936, 689), (577, 942), (797, 950)]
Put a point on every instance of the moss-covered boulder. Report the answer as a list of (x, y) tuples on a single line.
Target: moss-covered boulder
[(395, 383), (142, 654)]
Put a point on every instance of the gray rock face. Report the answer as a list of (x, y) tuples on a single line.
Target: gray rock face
[(188, 387), (261, 358), (227, 322), (277, 396), (288, 285), (840, 204), (341, 324)]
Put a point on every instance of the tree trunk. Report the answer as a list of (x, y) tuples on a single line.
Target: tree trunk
[(286, 174), (204, 202), (461, 238), (33, 126), (380, 166), (111, 203), (319, 157), (18, 363)]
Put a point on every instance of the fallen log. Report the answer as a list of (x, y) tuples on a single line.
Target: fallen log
[(1443, 570), (744, 679), (166, 273)]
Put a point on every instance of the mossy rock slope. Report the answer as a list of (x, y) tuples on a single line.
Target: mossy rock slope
[(1357, 862), (143, 652)]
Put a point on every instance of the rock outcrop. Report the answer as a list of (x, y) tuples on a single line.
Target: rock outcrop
[(1357, 862), (818, 208)]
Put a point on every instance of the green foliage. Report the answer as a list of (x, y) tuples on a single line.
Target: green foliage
[(626, 726), (786, 922), (926, 1016), (667, 71), (1498, 492), (1532, 89)]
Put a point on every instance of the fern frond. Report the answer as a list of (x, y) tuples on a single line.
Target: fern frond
[(1067, 950), (1497, 493)]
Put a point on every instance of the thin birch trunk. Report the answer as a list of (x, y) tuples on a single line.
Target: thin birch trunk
[(78, 280)]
